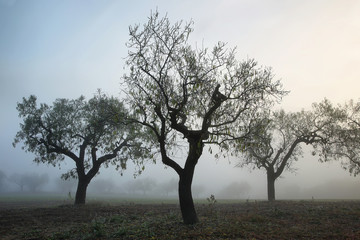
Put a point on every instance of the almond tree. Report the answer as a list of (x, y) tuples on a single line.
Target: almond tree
[(346, 145), (91, 133), (190, 97), (276, 145)]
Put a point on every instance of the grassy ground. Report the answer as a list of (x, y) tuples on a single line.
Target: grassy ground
[(150, 220), (47, 199)]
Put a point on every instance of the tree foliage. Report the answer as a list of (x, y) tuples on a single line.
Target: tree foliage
[(345, 145), (193, 89), (19, 180), (92, 133), (235, 190), (276, 144), (191, 96), (31, 181), (141, 186)]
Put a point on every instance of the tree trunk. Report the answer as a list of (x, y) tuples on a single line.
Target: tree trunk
[(271, 185), (185, 197), (80, 196), (186, 176)]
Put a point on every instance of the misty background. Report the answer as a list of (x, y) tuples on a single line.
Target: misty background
[(64, 49)]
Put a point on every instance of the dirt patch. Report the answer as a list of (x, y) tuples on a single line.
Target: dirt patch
[(253, 220)]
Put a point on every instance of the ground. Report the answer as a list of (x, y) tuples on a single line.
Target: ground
[(246, 220)]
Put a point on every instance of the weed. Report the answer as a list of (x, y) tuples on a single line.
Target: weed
[(118, 219), (279, 213), (147, 229), (211, 200), (120, 232), (98, 227), (257, 219), (249, 220), (172, 217)]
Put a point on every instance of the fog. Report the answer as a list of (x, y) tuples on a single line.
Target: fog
[(64, 49), (312, 180)]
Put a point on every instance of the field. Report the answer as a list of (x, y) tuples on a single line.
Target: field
[(51, 219)]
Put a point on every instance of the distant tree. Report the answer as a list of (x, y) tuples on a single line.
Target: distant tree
[(102, 186), (235, 190), (276, 145), (92, 133), (34, 181), (346, 144), (198, 190), (191, 97), (169, 186), (2, 180), (19, 180), (142, 185), (65, 186)]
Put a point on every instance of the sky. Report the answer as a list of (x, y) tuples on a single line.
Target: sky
[(64, 49)]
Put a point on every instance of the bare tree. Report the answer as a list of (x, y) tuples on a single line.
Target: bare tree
[(191, 97)]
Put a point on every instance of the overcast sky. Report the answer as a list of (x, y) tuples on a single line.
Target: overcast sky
[(64, 49)]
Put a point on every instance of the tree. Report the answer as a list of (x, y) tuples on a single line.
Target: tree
[(2, 180), (235, 190), (92, 133), (141, 185), (276, 145), (19, 180), (34, 181), (169, 186), (198, 190), (346, 144), (65, 186), (102, 186), (191, 97)]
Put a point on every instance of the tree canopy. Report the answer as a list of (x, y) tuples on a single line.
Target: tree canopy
[(32, 181), (276, 144), (92, 133), (345, 145), (192, 96)]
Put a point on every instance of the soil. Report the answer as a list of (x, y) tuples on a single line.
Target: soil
[(248, 220)]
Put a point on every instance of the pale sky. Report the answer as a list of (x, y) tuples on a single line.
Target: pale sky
[(64, 49)]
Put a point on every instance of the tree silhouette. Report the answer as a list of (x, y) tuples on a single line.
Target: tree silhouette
[(276, 144), (191, 97), (346, 143), (235, 190), (19, 180), (2, 180), (34, 181), (92, 133)]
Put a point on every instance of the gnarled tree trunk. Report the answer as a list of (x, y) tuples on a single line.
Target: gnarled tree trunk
[(80, 195), (186, 177), (271, 184), (187, 206)]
